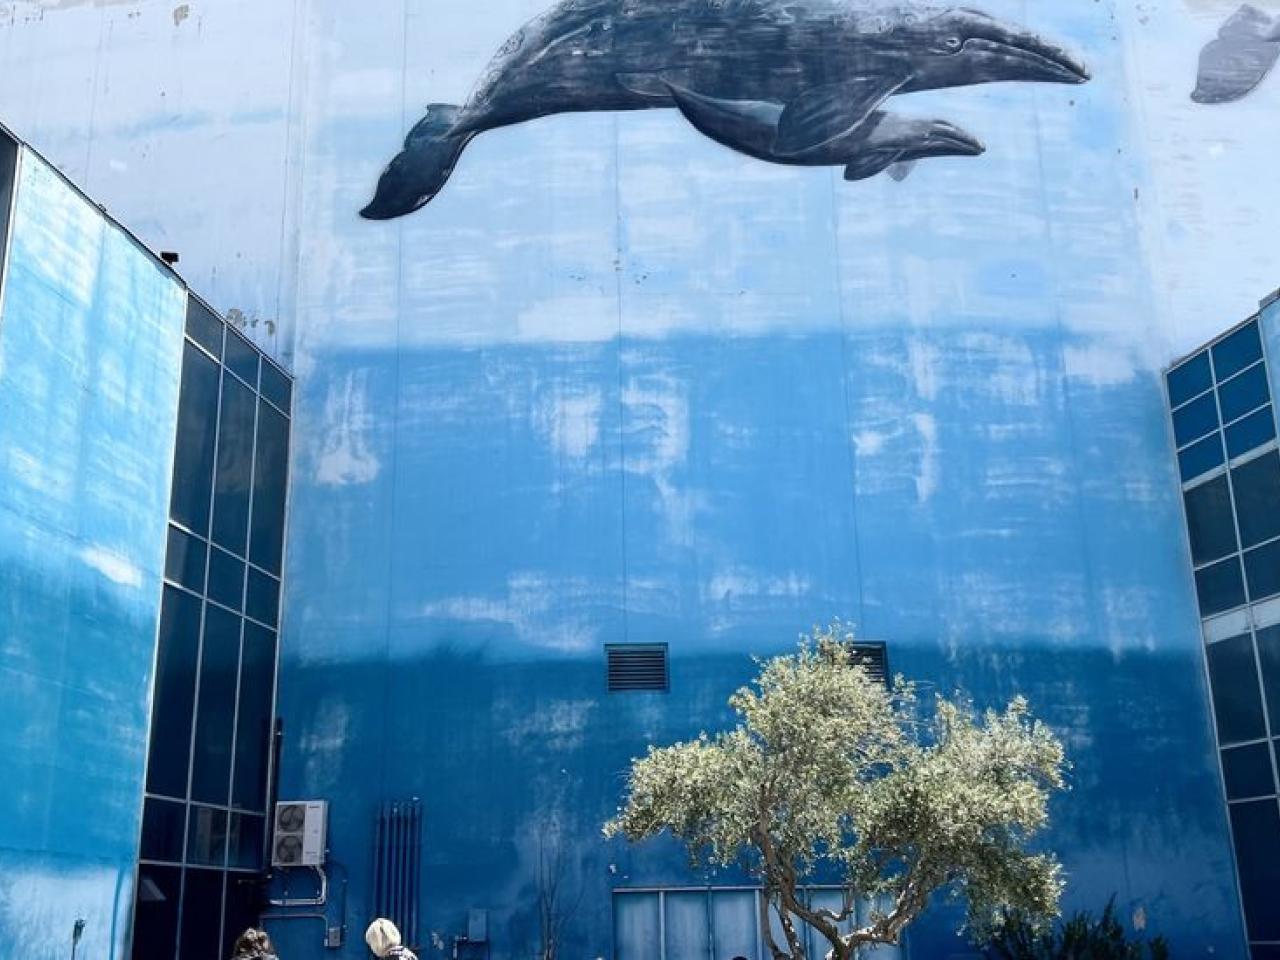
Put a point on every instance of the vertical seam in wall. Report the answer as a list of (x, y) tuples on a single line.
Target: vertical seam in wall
[(99, 56), (291, 143), (622, 407), (847, 392)]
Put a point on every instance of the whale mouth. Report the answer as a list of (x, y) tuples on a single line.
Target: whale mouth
[(1031, 59), (952, 141)]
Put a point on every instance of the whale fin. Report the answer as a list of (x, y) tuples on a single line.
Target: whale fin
[(1248, 21), (870, 162), (829, 112), (656, 84), (415, 175), (901, 170), (748, 126)]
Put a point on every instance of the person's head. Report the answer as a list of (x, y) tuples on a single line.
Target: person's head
[(382, 936), (253, 943)]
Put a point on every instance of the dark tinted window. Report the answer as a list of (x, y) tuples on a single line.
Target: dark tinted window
[(1257, 489), (207, 838), (275, 386), (1264, 951), (263, 598), (175, 688), (242, 358), (253, 735), (1269, 656), (184, 560), (211, 767), (163, 823), (1247, 771), (203, 327), (1244, 393), (226, 579), (269, 490), (1256, 829), (1219, 587), (1189, 379), (1237, 351), (1237, 702), (1200, 457), (235, 465), (1253, 431), (246, 841), (1195, 420), (1262, 571), (243, 906), (193, 450), (1209, 522), (155, 923), (202, 927)]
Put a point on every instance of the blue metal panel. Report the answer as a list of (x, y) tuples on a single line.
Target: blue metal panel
[(90, 341)]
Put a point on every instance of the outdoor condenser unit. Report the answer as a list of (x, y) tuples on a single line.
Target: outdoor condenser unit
[(300, 834)]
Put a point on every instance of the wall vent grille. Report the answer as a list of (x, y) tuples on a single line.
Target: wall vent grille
[(637, 666), (873, 657)]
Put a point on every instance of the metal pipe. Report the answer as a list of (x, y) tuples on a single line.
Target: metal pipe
[(318, 900)]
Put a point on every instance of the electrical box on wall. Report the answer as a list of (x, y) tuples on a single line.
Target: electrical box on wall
[(300, 833)]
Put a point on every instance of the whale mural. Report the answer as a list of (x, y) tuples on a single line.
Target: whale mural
[(1238, 58), (786, 81)]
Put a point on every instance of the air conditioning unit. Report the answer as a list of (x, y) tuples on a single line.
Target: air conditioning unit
[(300, 834)]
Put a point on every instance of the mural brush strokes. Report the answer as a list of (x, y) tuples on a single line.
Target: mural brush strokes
[(1239, 58), (784, 81)]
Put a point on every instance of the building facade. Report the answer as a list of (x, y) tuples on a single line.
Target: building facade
[(575, 374)]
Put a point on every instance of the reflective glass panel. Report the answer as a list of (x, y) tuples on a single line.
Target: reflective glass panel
[(207, 836), (262, 601), (1195, 420), (1200, 457), (1247, 771), (1256, 830), (1268, 641), (246, 841), (275, 386), (253, 733), (193, 450), (184, 560), (1189, 379), (175, 691), (270, 476), (226, 579), (1253, 431), (201, 937), (242, 358), (211, 765), (203, 327), (163, 825), (1237, 702), (1237, 351), (235, 465), (1219, 587), (1262, 570), (155, 922), (1243, 393), (1210, 525), (1257, 490)]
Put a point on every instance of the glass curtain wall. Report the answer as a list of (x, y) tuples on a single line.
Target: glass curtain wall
[(205, 812), (1225, 430)]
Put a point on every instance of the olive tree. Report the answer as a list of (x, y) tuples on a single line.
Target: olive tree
[(830, 772)]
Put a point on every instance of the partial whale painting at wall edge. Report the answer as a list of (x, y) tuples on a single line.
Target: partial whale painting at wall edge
[(799, 82), (1238, 58)]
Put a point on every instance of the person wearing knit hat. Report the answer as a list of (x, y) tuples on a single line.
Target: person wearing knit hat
[(253, 944), (384, 940)]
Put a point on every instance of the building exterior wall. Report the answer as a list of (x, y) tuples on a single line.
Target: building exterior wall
[(90, 345), (619, 383)]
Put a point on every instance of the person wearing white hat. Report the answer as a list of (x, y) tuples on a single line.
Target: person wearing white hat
[(384, 940)]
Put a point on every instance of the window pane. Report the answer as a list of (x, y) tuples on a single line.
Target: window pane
[(1237, 702), (184, 560), (244, 905), (1247, 771), (202, 916), (246, 841), (175, 690), (1219, 587), (1237, 351), (276, 386), (1253, 431), (193, 451), (1246, 392), (1195, 420), (207, 836), (155, 921), (211, 768), (1269, 657), (1209, 523), (253, 734), (204, 327), (1200, 457), (1189, 379), (163, 823), (235, 461), (1257, 489), (271, 472), (1262, 568), (263, 600), (242, 358), (1256, 829), (226, 579), (1264, 951)]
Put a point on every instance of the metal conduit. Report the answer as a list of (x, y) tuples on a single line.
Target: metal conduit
[(397, 866)]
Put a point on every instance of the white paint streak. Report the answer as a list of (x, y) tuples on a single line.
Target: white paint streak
[(111, 565), (346, 457)]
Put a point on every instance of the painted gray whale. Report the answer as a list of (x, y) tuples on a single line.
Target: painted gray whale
[(884, 141), (827, 64), (1238, 58)]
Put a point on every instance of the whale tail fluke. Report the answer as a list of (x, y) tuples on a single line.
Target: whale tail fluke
[(418, 172)]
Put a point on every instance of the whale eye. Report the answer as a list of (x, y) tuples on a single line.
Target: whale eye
[(952, 44)]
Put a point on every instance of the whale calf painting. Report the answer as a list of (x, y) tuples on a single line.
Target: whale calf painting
[(1239, 57), (786, 81)]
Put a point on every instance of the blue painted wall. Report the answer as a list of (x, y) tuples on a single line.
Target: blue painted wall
[(90, 344)]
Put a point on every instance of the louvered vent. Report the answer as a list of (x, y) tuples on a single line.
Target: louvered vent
[(637, 666), (873, 658)]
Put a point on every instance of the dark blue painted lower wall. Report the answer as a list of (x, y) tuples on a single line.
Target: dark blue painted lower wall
[(468, 528)]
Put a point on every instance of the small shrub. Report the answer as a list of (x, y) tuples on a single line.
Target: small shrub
[(1080, 938)]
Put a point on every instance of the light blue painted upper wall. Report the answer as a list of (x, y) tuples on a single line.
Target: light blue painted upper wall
[(90, 350)]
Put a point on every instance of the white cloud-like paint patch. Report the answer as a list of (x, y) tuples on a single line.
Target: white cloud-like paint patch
[(569, 417), (927, 477), (1100, 365), (345, 457), (112, 565)]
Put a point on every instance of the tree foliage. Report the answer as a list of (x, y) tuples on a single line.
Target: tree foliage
[(832, 772), (1080, 938)]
